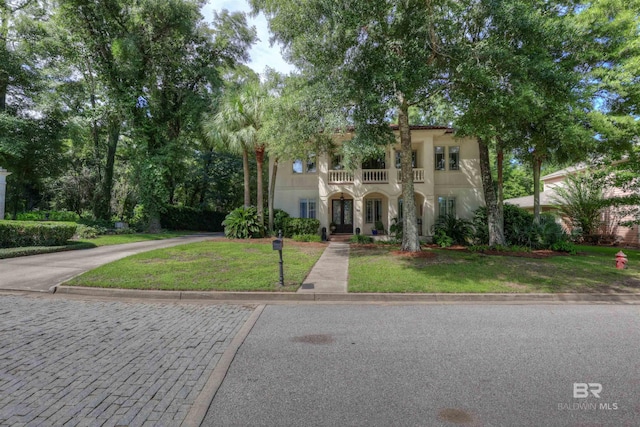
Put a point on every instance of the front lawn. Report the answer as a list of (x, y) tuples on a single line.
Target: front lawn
[(213, 265), (118, 239), (378, 269)]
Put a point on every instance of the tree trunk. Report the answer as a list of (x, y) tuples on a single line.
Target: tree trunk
[(537, 165), (496, 235), (272, 190), (103, 208), (500, 188), (260, 195), (245, 170), (410, 239), (4, 36)]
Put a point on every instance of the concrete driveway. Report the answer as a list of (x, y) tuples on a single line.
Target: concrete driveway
[(41, 273)]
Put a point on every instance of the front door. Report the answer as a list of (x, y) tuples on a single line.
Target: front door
[(343, 215)]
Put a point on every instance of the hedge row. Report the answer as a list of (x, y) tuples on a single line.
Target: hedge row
[(293, 226), (15, 234), (48, 216), (187, 218)]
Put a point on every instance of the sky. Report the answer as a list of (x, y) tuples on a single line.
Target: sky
[(262, 54)]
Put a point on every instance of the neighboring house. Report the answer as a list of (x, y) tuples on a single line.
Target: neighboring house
[(446, 178), (610, 220)]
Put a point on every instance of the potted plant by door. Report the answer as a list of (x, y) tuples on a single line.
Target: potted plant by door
[(379, 228), (332, 227)]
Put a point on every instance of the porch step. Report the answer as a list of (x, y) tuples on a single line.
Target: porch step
[(340, 237)]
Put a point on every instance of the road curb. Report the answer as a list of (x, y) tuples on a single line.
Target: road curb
[(198, 411), (351, 297)]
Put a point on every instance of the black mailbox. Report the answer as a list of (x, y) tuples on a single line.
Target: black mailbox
[(277, 245)]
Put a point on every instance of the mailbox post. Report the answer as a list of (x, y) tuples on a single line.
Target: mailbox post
[(277, 246)]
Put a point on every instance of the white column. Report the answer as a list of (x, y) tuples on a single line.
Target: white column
[(3, 189), (358, 216)]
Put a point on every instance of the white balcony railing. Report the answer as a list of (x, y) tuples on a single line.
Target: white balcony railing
[(374, 176), (418, 175), (340, 177)]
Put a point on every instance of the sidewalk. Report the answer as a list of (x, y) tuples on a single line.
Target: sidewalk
[(330, 273)]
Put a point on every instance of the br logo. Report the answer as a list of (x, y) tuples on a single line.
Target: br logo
[(582, 390)]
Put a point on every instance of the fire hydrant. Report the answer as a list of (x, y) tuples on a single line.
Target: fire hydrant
[(621, 260)]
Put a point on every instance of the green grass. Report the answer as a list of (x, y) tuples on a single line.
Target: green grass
[(592, 270), (213, 265), (118, 239), (106, 240), (35, 250)]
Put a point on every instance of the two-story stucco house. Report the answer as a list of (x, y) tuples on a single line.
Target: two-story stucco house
[(446, 178)]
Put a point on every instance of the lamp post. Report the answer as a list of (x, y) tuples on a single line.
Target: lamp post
[(3, 189)]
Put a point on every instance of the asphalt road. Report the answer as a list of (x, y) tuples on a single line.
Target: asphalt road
[(430, 365), (40, 273)]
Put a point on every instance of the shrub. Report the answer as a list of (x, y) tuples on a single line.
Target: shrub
[(361, 239), (441, 239), (458, 230), (65, 216), (380, 227), (88, 232), (516, 220), (307, 238), (15, 234), (242, 223), (396, 229), (565, 246), (280, 219), (520, 230), (188, 218), (301, 226)]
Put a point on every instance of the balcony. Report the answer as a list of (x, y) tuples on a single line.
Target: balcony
[(418, 175), (371, 176), (375, 176), (340, 177)]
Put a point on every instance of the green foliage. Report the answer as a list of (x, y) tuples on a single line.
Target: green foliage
[(380, 227), (15, 234), (520, 228), (450, 230), (187, 218), (582, 199), (441, 239), (242, 223), (498, 248), (48, 216), (280, 219), (301, 226), (515, 219), (307, 238), (564, 246), (396, 229), (361, 239), (89, 232)]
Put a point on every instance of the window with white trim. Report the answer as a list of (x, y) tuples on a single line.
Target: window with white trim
[(297, 166), (414, 159), (373, 211), (454, 158), (439, 161), (446, 206), (308, 208)]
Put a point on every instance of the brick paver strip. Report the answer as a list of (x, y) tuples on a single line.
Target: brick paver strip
[(107, 363)]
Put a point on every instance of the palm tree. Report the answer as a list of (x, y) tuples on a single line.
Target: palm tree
[(237, 124)]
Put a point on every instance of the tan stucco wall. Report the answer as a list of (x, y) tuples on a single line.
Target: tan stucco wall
[(465, 184)]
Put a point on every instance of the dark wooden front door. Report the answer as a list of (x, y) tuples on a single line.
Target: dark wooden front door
[(342, 215)]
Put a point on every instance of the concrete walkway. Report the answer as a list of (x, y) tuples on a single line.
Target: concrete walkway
[(41, 273), (330, 273)]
